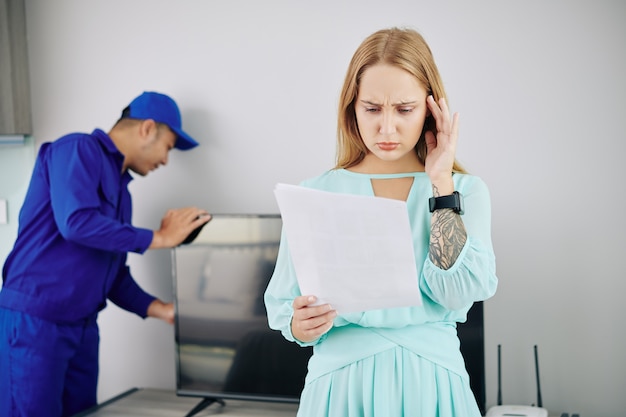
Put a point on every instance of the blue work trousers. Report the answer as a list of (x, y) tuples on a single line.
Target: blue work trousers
[(46, 368)]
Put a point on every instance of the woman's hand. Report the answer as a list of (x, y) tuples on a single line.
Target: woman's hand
[(310, 322), (441, 149)]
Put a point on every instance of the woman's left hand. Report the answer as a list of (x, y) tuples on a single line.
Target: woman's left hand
[(441, 149)]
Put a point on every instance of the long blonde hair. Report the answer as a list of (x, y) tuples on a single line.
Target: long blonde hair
[(405, 49)]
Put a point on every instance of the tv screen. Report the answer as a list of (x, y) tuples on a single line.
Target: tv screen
[(224, 346)]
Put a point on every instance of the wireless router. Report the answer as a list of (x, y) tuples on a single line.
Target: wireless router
[(518, 410)]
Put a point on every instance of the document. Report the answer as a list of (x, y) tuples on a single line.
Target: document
[(351, 251)]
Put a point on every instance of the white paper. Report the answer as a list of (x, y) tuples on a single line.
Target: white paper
[(353, 252)]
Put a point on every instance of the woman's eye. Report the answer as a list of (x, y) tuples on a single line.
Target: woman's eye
[(371, 109), (405, 109)]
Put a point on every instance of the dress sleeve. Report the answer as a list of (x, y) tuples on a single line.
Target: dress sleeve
[(473, 276), (280, 292)]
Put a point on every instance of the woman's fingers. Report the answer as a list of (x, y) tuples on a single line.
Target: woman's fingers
[(441, 113), (311, 321), (446, 125)]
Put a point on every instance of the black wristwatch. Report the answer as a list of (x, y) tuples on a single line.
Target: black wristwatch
[(453, 201)]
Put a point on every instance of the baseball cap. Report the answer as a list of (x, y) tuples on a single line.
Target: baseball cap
[(161, 109)]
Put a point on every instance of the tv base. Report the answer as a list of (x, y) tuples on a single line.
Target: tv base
[(204, 404)]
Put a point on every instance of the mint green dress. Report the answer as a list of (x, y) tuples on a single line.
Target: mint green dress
[(400, 361)]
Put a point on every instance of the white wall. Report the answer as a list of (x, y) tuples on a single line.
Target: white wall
[(16, 162), (540, 88)]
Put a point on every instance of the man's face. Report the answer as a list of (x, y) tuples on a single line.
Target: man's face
[(154, 150)]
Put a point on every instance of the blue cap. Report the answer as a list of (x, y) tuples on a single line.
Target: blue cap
[(161, 109)]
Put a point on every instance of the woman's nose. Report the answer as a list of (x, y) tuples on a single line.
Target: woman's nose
[(387, 123)]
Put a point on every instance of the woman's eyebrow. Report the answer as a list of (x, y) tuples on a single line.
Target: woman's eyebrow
[(400, 103)]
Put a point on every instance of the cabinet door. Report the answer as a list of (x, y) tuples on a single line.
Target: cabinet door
[(15, 115)]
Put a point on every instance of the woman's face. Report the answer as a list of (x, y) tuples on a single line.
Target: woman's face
[(390, 112)]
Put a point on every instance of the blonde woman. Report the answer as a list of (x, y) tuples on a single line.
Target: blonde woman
[(396, 139)]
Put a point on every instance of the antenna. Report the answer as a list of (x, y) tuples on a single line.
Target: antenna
[(517, 410), (539, 402), (499, 379)]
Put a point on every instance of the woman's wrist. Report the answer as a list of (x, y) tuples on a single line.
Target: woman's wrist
[(442, 185)]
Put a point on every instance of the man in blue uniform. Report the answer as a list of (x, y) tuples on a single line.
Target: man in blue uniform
[(70, 257)]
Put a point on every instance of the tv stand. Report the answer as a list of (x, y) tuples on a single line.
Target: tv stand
[(207, 401)]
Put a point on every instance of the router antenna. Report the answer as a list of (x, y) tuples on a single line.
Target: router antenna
[(539, 402), (499, 379)]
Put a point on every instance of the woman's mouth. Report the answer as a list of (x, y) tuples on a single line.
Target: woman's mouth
[(387, 146)]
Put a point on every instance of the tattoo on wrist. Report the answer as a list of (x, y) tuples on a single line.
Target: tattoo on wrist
[(447, 238)]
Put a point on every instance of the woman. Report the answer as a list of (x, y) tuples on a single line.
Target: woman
[(396, 139)]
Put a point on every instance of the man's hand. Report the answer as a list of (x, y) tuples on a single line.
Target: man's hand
[(176, 225), (160, 310), (310, 322)]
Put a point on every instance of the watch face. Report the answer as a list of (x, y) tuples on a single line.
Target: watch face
[(460, 209), (453, 201)]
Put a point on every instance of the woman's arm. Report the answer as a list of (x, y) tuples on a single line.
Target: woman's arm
[(447, 236)]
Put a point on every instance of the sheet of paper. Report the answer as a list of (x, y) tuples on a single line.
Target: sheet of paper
[(354, 252)]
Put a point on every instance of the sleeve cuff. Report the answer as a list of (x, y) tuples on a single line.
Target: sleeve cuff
[(143, 240)]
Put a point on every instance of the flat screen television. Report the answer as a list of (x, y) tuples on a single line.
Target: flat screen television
[(224, 346)]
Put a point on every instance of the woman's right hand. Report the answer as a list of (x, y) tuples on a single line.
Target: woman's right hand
[(309, 322)]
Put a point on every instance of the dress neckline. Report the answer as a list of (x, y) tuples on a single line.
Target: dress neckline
[(383, 176)]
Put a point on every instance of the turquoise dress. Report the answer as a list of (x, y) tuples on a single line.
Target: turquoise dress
[(399, 361)]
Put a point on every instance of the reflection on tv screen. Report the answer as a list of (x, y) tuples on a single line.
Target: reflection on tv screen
[(225, 348)]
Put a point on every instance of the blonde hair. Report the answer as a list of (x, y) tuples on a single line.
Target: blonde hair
[(405, 49)]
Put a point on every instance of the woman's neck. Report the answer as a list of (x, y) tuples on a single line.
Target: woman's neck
[(374, 165)]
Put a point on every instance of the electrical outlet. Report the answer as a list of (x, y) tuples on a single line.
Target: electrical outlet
[(3, 212)]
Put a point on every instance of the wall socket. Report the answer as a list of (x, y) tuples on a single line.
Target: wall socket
[(3, 212)]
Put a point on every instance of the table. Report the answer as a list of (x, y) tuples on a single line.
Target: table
[(144, 402)]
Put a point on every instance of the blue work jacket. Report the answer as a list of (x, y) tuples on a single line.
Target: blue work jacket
[(74, 234)]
